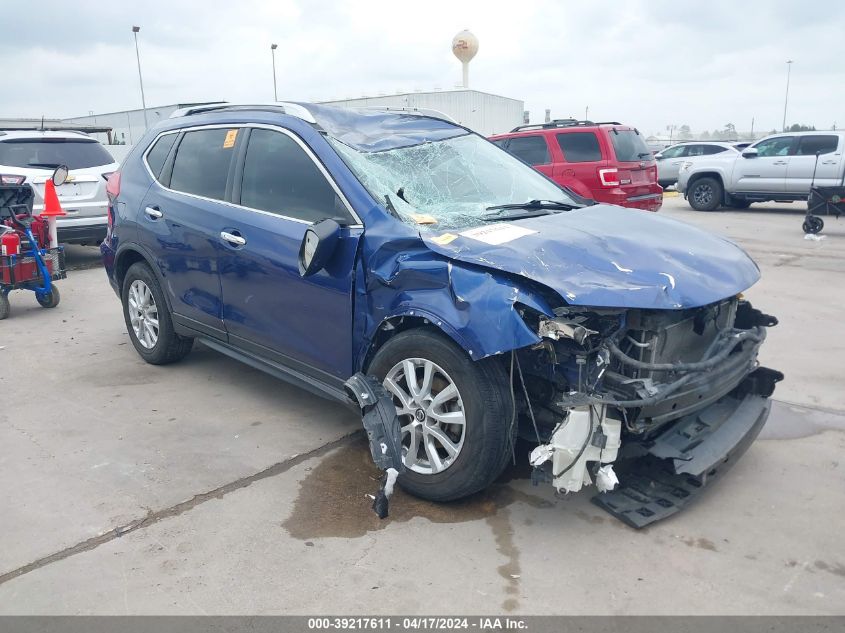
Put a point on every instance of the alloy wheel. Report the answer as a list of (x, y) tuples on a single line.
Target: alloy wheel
[(431, 412), (143, 314), (703, 195)]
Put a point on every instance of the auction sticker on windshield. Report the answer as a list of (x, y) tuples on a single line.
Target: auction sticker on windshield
[(496, 234)]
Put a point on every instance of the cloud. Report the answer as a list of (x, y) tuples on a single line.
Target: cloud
[(648, 63)]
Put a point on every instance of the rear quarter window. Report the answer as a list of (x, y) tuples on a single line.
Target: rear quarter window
[(579, 147), (48, 153), (158, 153), (202, 162), (628, 146)]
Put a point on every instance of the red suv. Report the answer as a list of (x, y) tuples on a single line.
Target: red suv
[(608, 162)]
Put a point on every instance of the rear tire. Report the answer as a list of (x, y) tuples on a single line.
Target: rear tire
[(148, 319), (483, 398), (705, 194)]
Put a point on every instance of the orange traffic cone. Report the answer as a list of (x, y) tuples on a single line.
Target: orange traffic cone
[(52, 209), (51, 201)]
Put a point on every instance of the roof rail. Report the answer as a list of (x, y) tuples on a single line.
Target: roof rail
[(285, 107), (436, 114), (560, 123)]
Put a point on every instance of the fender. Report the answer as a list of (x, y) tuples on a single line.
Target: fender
[(480, 311)]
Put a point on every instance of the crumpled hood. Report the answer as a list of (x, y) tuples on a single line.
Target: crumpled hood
[(608, 256)]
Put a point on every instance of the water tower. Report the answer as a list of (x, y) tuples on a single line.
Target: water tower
[(465, 46)]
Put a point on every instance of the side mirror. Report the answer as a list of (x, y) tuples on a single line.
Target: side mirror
[(59, 176), (749, 152), (658, 156), (317, 247)]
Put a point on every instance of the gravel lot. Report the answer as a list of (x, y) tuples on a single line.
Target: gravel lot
[(207, 487)]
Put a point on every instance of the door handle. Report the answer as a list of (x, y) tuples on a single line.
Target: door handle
[(829, 162), (153, 213), (779, 162), (232, 239)]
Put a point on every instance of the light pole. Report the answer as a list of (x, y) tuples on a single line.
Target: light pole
[(786, 97), (273, 48), (135, 30)]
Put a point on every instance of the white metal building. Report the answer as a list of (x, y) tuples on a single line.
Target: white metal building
[(482, 112), (127, 125)]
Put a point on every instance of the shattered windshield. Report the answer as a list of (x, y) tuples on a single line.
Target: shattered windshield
[(449, 183)]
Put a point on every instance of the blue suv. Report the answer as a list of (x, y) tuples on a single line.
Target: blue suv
[(314, 243)]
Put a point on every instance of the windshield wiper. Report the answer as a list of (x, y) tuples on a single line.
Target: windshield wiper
[(536, 204), (517, 214), (53, 165), (533, 207)]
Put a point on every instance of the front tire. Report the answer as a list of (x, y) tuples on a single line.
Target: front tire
[(705, 194), (49, 300), (812, 225), (148, 319), (455, 414)]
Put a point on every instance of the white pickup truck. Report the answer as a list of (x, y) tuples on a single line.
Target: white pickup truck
[(779, 168)]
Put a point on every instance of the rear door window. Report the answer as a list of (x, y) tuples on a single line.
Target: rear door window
[(531, 149), (579, 147), (281, 178), (822, 143), (628, 146), (708, 150), (49, 153), (158, 153), (202, 162)]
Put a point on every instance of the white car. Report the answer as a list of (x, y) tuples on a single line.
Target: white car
[(31, 156), (669, 160), (779, 168)]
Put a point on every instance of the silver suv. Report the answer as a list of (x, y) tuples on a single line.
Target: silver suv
[(31, 156), (779, 168)]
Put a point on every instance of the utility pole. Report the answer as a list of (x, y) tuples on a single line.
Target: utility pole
[(786, 97), (752, 128), (135, 30), (273, 48)]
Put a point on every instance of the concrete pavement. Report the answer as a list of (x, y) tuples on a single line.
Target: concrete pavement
[(207, 487)]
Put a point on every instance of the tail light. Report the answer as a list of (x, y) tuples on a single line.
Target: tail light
[(113, 185), (112, 191), (609, 177), (11, 179)]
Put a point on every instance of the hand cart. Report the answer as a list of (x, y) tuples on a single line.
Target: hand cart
[(34, 265), (823, 201)]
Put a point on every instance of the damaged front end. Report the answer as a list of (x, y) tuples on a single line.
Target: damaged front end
[(672, 397)]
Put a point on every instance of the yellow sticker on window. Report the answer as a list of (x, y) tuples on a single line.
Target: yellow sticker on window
[(444, 239), (423, 218), (231, 135)]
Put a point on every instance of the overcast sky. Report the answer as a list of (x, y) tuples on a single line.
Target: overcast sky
[(649, 63)]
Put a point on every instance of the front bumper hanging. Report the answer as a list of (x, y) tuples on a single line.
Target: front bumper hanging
[(666, 473)]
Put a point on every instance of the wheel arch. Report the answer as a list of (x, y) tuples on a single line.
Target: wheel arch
[(405, 321), (131, 254)]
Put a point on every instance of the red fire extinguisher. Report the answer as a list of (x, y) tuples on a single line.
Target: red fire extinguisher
[(10, 244)]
